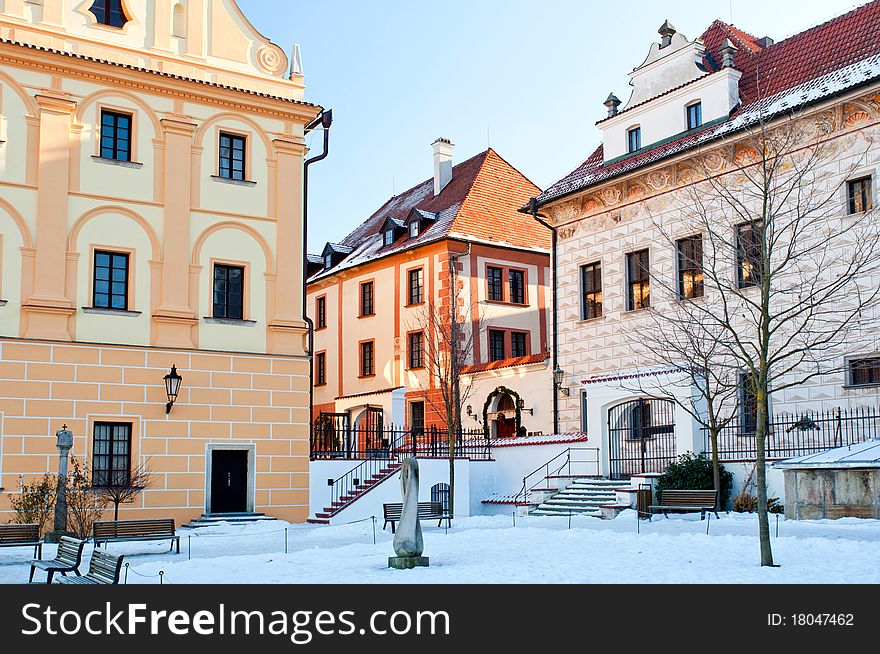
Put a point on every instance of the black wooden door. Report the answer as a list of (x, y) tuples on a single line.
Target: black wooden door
[(229, 471)]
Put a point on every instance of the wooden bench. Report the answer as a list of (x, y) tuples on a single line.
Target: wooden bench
[(22, 536), (70, 551), (427, 511), (104, 569), (686, 501), (111, 531)]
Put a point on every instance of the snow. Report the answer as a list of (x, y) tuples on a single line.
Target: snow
[(487, 549), (858, 455)]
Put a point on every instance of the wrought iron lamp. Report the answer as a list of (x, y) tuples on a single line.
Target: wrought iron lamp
[(521, 405), (558, 379), (172, 388)]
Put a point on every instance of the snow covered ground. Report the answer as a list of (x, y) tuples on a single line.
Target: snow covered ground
[(492, 550)]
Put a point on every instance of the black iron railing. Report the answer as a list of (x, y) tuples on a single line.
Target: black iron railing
[(575, 461), (351, 443), (798, 434)]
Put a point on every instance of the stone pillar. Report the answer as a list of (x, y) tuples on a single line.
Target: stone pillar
[(64, 442), (287, 328), (175, 319), (48, 309)]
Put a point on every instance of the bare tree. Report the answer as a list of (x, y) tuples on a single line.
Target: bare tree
[(789, 264), (450, 331), (124, 489), (85, 505)]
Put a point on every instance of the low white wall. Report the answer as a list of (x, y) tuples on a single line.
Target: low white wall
[(775, 479), (431, 471)]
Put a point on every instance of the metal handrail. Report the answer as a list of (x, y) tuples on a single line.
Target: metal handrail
[(347, 483), (524, 493)]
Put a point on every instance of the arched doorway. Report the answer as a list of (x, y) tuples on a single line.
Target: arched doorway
[(369, 433), (641, 437), (505, 420)]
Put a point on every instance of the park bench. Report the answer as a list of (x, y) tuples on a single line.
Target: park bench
[(22, 536), (70, 551), (104, 569), (427, 511), (111, 531), (686, 501)]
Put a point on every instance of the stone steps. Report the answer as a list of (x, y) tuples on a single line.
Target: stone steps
[(210, 519), (582, 496)]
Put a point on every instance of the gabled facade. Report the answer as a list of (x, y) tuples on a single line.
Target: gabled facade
[(369, 305), (143, 146), (618, 230)]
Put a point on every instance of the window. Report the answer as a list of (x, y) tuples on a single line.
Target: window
[(416, 286), (634, 139), (328, 261), (496, 345), (591, 291), (321, 369), (389, 237), (858, 195), (109, 12), (694, 115), (417, 418), (517, 287), (496, 283), (864, 372), (518, 344), (111, 454), (690, 267), (748, 253), (368, 366), (748, 405), (416, 350), (232, 156), (367, 308), (638, 281), (115, 136), (228, 292), (110, 285), (414, 229), (321, 312)]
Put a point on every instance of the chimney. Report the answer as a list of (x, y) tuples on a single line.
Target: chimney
[(296, 63), (765, 41), (666, 31), (442, 164), (727, 51), (613, 102)]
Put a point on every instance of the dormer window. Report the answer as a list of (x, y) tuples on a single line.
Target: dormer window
[(389, 237), (328, 261), (633, 139), (694, 115), (414, 229), (109, 12)]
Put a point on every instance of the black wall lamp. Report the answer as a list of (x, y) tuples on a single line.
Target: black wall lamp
[(172, 388), (521, 404), (558, 379)]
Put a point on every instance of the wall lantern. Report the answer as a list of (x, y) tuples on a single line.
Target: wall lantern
[(558, 379), (521, 405), (172, 388)]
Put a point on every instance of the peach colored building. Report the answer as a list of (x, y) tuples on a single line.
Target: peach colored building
[(367, 296), (151, 160)]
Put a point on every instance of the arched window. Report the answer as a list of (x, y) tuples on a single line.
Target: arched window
[(179, 23), (109, 12), (440, 493)]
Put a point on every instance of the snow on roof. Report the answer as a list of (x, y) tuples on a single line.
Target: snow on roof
[(543, 439), (859, 455)]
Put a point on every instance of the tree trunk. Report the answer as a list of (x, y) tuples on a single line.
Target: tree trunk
[(716, 465), (115, 511), (761, 471), (451, 432)]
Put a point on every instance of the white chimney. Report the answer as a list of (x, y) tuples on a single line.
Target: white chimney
[(442, 163)]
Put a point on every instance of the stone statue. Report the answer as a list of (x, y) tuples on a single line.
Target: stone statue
[(408, 541)]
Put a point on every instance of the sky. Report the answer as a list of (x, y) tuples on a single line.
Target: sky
[(526, 77)]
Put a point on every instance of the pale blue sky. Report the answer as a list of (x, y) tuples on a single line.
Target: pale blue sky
[(398, 74)]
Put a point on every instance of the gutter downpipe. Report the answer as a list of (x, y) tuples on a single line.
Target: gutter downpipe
[(325, 120), (533, 209)]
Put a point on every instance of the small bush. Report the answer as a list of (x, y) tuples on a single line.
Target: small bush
[(85, 505), (35, 504), (747, 500), (694, 472)]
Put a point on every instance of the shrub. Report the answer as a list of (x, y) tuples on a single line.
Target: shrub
[(85, 505), (35, 504), (694, 472), (747, 500)]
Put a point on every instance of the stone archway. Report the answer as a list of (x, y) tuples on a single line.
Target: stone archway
[(506, 417)]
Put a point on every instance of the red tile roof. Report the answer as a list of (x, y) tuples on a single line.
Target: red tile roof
[(766, 72), (480, 203), (507, 363)]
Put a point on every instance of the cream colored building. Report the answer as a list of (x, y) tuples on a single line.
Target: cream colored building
[(151, 160)]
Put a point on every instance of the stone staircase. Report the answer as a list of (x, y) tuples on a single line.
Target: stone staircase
[(368, 484), (210, 519), (575, 496)]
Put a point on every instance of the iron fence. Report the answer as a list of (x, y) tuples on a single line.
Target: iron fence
[(798, 434), (338, 440)]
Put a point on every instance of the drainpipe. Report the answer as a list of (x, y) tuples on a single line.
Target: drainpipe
[(533, 209), (325, 120)]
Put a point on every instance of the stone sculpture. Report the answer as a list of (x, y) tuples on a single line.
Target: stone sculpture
[(408, 541)]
